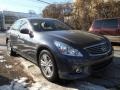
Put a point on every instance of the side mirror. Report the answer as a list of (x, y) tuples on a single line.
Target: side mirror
[(31, 34), (24, 31)]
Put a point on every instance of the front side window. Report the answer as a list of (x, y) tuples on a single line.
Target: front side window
[(48, 25), (110, 23)]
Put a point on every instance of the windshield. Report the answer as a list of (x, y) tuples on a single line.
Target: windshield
[(48, 25)]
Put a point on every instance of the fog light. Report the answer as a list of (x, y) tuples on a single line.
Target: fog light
[(78, 69)]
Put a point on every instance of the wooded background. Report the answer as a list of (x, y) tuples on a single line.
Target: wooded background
[(84, 12)]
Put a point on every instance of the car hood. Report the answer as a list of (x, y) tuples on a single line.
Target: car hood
[(76, 37)]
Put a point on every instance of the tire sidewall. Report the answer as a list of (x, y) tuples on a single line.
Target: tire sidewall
[(55, 74), (9, 46), (10, 52)]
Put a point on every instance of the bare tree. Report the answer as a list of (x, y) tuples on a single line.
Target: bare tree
[(85, 11), (109, 9), (54, 11)]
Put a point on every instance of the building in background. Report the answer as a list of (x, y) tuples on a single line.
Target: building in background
[(7, 18)]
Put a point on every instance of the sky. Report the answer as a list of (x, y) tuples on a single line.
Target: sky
[(26, 5)]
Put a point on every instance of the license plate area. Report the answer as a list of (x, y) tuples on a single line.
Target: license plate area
[(84, 69)]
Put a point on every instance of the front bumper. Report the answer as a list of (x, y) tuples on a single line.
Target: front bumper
[(78, 68)]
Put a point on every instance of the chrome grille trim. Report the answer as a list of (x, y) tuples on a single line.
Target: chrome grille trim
[(98, 49)]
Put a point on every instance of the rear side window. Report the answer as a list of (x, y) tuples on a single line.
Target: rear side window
[(16, 25), (97, 24), (24, 26), (110, 23)]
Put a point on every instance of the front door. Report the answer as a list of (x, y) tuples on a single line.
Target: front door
[(14, 34)]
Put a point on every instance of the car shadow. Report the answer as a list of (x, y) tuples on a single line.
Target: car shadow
[(110, 76), (4, 80)]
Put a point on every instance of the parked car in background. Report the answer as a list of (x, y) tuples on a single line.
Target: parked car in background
[(59, 51), (107, 27)]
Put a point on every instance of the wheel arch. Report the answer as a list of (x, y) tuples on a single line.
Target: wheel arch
[(43, 47), (56, 77)]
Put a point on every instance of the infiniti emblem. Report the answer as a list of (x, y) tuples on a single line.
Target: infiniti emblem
[(103, 48)]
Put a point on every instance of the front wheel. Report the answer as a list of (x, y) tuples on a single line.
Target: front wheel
[(48, 66), (10, 51)]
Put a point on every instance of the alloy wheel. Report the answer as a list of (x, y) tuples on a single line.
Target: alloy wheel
[(47, 65)]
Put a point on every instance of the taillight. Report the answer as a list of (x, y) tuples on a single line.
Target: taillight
[(90, 29)]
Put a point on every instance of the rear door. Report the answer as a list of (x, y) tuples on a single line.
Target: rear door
[(14, 34), (110, 27)]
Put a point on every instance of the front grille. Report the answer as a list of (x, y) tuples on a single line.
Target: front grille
[(98, 49)]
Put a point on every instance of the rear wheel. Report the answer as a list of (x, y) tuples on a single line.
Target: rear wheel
[(10, 51), (48, 66)]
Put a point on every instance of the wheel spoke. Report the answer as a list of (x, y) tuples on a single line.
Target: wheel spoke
[(43, 63), (45, 58), (45, 70), (49, 71), (50, 64)]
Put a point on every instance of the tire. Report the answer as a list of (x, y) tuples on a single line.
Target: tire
[(48, 66), (10, 51)]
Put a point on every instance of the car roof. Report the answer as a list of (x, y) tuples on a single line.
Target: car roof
[(107, 19), (37, 19)]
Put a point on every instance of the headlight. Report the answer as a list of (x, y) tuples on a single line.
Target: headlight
[(67, 50)]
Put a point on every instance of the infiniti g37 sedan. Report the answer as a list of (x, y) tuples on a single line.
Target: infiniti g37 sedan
[(59, 51)]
